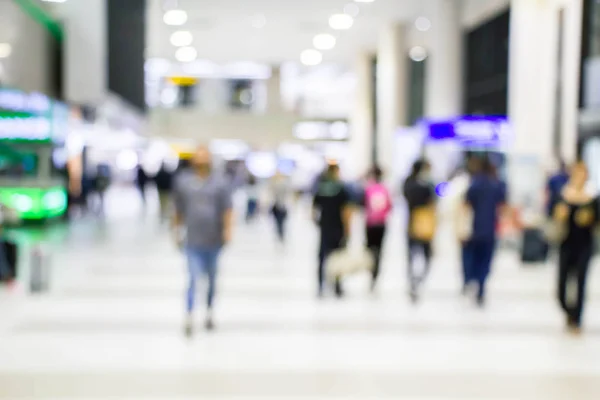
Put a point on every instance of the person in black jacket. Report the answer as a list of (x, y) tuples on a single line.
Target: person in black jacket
[(141, 181), (164, 183), (333, 212)]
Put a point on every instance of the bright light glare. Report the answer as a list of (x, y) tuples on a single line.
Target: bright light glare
[(127, 160), (181, 38), (423, 24), (169, 95), (186, 54), (5, 50), (53, 200), (418, 54), (324, 41), (352, 10), (175, 17), (311, 57), (22, 202), (341, 22)]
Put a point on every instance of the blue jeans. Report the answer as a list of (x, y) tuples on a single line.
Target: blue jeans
[(201, 261), (477, 262)]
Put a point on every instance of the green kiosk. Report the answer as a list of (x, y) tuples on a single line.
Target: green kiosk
[(32, 126)]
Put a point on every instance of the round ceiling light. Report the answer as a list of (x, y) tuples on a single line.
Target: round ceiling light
[(324, 41), (175, 17), (5, 50), (423, 24), (418, 53), (186, 54), (311, 57), (181, 38), (341, 22)]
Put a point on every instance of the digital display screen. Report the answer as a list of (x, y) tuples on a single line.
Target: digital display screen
[(479, 131)]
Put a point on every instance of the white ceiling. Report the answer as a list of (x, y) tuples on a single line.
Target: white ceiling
[(223, 30)]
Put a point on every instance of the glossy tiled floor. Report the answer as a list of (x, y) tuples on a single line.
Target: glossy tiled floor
[(111, 327)]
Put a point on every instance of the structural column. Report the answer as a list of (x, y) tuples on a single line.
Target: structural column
[(86, 50), (361, 118), (274, 103), (538, 72), (533, 73), (392, 93), (443, 79)]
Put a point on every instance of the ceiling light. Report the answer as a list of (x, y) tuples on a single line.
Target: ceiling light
[(259, 21), (311, 57), (341, 22), (5, 50), (423, 24), (418, 53), (175, 17), (324, 41), (181, 38), (352, 10), (186, 54)]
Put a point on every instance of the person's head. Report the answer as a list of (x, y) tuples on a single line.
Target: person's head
[(579, 175), (473, 165), (202, 160), (562, 166), (332, 172), (488, 168), (420, 168), (376, 174)]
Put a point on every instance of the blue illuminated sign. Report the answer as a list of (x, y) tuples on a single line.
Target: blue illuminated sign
[(483, 131)]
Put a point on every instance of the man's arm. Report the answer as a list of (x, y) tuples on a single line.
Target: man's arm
[(178, 201), (347, 219), (316, 208), (227, 207), (227, 225), (347, 211)]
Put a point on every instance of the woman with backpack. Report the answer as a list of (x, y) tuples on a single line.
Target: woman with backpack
[(420, 197), (378, 204)]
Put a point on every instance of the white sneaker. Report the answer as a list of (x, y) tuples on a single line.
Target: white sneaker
[(209, 323), (188, 327)]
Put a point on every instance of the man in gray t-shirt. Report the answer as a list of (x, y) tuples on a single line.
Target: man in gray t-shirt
[(204, 209)]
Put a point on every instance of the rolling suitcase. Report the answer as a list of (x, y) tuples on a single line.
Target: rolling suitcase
[(534, 247), (39, 280)]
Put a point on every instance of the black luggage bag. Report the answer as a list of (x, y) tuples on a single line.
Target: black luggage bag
[(534, 247)]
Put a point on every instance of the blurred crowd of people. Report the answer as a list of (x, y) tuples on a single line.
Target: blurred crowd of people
[(204, 198), (198, 200)]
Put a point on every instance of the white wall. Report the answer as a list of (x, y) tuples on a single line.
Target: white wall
[(260, 131), (85, 50), (29, 67)]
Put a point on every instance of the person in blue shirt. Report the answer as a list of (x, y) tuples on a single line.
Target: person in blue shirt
[(554, 187), (486, 197)]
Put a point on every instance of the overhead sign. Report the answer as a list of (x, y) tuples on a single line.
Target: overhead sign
[(183, 80), (481, 131)]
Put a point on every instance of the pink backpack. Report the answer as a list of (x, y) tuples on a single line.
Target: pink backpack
[(378, 204)]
